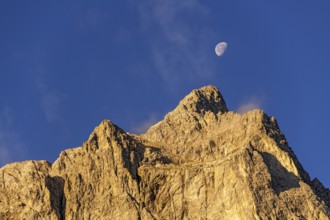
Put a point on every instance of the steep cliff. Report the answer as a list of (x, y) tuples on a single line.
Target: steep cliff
[(201, 161)]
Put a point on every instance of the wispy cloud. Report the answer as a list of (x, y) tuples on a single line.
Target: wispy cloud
[(250, 104), (50, 103), (145, 125), (11, 146), (180, 51), (94, 19), (49, 99)]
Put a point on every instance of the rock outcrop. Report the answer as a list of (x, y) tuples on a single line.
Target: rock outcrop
[(201, 161)]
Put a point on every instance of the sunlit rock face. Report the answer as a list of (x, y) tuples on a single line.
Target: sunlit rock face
[(201, 161)]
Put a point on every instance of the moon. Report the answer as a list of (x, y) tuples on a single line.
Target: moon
[(220, 48)]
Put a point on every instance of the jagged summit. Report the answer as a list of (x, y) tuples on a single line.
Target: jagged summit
[(201, 161), (207, 98), (194, 114)]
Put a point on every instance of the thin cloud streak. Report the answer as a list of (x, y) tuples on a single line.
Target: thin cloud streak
[(49, 99), (145, 125), (11, 146), (50, 103), (93, 19), (179, 51), (250, 104)]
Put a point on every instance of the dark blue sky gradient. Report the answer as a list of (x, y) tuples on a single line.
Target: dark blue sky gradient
[(67, 65)]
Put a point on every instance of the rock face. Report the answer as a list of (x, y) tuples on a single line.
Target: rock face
[(201, 161)]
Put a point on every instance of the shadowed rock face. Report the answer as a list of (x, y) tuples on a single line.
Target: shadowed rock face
[(201, 161)]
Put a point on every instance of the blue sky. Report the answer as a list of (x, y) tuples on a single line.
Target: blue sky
[(67, 65)]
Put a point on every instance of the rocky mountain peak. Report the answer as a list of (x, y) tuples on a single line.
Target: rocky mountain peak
[(207, 98), (201, 161), (194, 114)]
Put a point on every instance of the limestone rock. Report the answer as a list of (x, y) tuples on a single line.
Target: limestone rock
[(201, 161), (321, 191), (27, 191)]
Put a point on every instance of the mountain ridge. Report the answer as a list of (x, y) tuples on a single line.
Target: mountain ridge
[(201, 161)]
